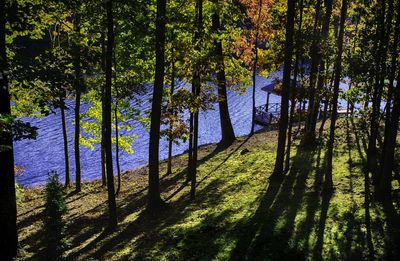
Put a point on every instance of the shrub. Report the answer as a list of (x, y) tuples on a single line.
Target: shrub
[(54, 226), (19, 194)]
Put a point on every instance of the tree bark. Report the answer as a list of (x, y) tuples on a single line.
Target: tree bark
[(112, 207), (322, 50), (283, 121), (253, 115), (117, 130), (377, 94), (309, 136), (294, 86), (171, 110), (103, 153), (154, 200), (383, 191), (8, 207), (78, 89), (328, 184), (196, 85), (228, 135), (65, 137)]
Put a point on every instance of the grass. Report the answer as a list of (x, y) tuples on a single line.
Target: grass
[(238, 213)]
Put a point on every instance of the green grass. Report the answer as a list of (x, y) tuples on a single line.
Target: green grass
[(238, 214)]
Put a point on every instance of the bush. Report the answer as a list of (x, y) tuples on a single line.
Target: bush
[(54, 226), (19, 194)]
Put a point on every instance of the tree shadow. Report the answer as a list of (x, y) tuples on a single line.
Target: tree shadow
[(267, 234), (392, 231)]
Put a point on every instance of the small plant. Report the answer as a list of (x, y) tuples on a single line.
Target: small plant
[(54, 226), (19, 194)]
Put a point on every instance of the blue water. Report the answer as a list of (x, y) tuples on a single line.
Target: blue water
[(38, 157)]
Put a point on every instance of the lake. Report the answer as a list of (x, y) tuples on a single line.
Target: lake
[(46, 153)]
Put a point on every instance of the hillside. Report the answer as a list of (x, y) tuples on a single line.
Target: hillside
[(238, 213)]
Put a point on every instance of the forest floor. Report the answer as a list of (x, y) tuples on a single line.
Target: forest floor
[(238, 213)]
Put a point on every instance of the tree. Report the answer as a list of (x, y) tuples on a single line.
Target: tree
[(283, 121), (8, 207), (257, 26), (154, 199), (196, 85), (309, 136), (328, 185), (78, 90), (228, 135), (65, 137), (54, 225), (384, 188), (380, 71), (112, 207), (293, 86)]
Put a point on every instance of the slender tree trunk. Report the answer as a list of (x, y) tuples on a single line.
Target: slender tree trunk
[(377, 94), (65, 137), (154, 201), (103, 154), (112, 206), (309, 136), (117, 146), (78, 89), (283, 121), (324, 116), (228, 135), (253, 115), (328, 185), (117, 130), (8, 206), (294, 86), (196, 86), (190, 151), (171, 111), (391, 122), (322, 50)]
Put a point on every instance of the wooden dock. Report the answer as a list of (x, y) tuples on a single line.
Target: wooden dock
[(268, 114)]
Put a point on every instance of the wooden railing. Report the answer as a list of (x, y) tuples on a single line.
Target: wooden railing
[(267, 115)]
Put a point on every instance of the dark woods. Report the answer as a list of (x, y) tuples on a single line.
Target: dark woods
[(104, 53)]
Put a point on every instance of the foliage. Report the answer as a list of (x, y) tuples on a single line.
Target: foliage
[(92, 117), (19, 129), (55, 208), (19, 194)]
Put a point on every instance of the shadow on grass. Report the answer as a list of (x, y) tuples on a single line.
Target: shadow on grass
[(267, 234), (290, 219)]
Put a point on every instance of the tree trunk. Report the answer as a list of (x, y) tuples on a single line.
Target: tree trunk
[(391, 123), (253, 115), (65, 137), (328, 184), (377, 94), (228, 135), (8, 207), (112, 207), (323, 48), (154, 201), (309, 137), (294, 87), (78, 89), (117, 130), (117, 147), (324, 116), (103, 154), (190, 151), (171, 111), (283, 121), (196, 85)]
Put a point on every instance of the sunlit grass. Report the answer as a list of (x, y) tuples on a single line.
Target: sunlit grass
[(239, 215)]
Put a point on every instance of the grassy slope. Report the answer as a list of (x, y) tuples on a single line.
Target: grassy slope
[(237, 214)]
